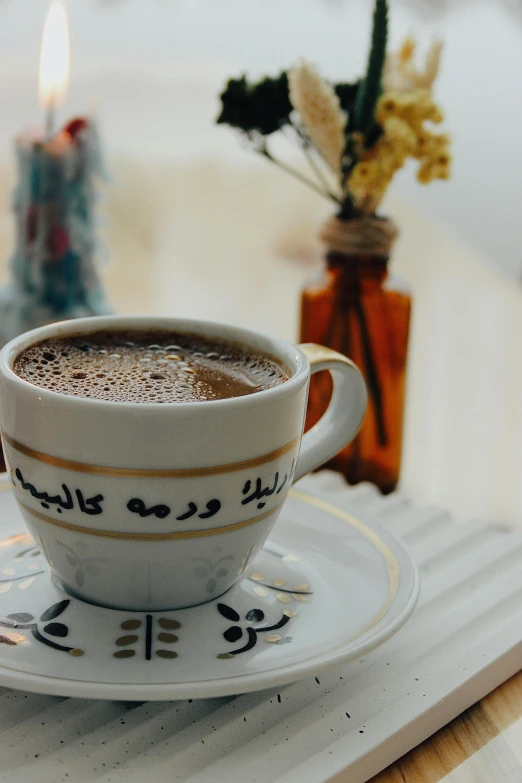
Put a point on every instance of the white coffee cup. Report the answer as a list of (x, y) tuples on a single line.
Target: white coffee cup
[(144, 506)]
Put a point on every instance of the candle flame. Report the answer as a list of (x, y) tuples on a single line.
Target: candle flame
[(54, 56)]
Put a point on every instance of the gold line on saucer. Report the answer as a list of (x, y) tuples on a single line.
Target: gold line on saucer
[(391, 561), (102, 470), (171, 536)]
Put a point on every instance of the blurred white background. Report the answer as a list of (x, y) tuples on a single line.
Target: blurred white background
[(153, 69)]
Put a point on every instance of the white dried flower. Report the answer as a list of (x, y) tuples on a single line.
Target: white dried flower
[(431, 65), (400, 73), (320, 112)]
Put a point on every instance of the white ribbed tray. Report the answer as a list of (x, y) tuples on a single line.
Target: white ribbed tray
[(464, 638)]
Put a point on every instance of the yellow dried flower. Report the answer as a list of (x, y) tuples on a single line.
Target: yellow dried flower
[(430, 171), (320, 111), (436, 115), (431, 144), (414, 108), (425, 173), (402, 111), (370, 178), (423, 108), (435, 165), (387, 106), (402, 117), (395, 104), (365, 176), (444, 159), (398, 133)]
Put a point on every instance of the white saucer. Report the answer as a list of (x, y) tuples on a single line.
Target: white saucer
[(326, 588)]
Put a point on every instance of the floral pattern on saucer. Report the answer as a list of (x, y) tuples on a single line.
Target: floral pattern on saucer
[(146, 635), (21, 621)]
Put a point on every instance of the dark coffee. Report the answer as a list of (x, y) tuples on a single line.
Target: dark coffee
[(139, 366)]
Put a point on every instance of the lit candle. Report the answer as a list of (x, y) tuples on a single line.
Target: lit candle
[(53, 268), (54, 62)]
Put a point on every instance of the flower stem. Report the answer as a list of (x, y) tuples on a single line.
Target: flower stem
[(318, 173), (305, 144), (298, 175)]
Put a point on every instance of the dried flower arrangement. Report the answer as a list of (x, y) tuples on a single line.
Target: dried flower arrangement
[(354, 136)]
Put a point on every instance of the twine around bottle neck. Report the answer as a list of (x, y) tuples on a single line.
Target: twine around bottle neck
[(366, 237)]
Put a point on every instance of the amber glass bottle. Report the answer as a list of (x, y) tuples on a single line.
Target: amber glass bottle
[(357, 308)]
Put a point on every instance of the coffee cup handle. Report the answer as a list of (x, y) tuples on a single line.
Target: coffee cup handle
[(343, 417)]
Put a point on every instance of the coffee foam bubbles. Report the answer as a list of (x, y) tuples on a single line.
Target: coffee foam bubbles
[(146, 368)]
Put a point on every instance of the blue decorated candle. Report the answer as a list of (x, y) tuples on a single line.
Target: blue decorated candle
[(54, 264)]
